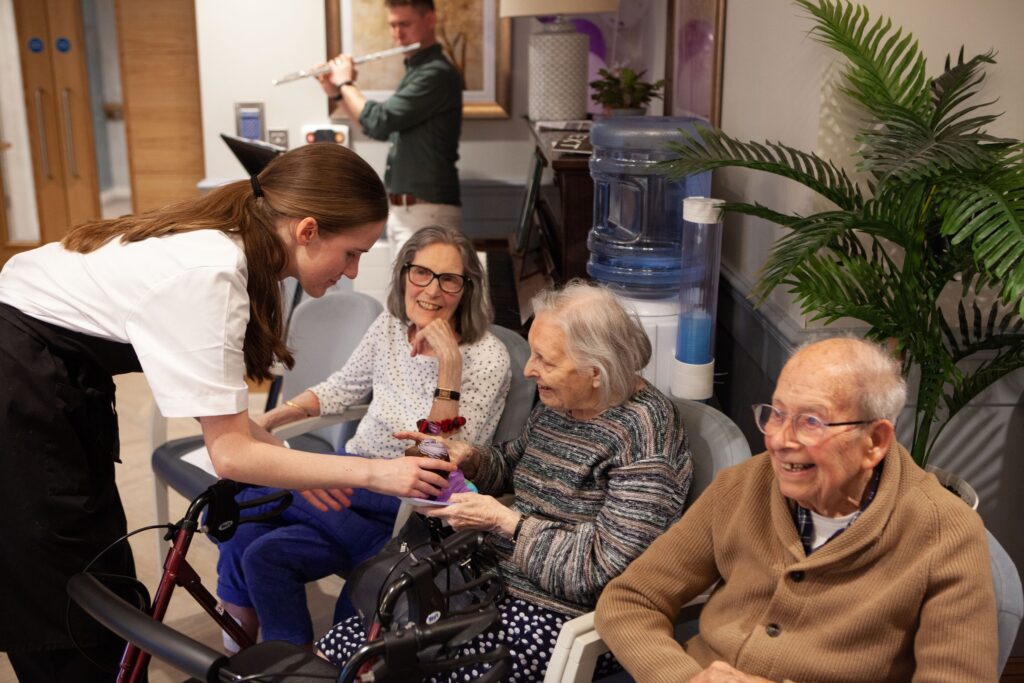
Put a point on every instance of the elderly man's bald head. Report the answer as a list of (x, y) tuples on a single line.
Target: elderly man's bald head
[(861, 374)]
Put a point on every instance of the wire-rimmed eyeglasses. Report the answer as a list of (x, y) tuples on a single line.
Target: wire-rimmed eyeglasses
[(450, 283), (809, 429)]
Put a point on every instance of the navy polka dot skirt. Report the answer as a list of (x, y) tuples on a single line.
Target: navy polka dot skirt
[(528, 631)]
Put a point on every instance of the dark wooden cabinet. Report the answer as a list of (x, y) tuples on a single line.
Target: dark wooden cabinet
[(571, 200)]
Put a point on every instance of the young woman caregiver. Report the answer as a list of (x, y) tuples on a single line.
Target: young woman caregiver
[(189, 295)]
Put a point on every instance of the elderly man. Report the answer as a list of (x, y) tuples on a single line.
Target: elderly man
[(838, 558)]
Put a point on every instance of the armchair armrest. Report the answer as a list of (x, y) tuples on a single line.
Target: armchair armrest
[(578, 647), (293, 429)]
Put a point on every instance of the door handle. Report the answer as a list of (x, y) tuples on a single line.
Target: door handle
[(44, 148), (69, 132)]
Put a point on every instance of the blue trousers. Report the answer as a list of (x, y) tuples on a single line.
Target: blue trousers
[(266, 565)]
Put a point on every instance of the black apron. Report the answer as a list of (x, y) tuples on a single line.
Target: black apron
[(59, 505)]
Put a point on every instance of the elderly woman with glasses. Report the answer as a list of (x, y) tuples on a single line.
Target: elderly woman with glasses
[(429, 360), (836, 557), (601, 468)]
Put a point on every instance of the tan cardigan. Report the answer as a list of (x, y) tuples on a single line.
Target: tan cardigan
[(905, 593)]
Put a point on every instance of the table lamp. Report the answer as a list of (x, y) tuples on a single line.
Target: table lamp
[(558, 56)]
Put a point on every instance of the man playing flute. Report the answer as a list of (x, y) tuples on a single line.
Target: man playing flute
[(422, 120)]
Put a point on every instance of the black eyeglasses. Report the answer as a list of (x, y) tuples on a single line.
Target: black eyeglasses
[(809, 429), (450, 283)]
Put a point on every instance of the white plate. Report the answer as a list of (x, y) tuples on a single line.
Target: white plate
[(423, 502)]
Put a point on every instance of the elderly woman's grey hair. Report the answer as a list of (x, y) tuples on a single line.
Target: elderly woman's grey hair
[(600, 334), (474, 312), (879, 389)]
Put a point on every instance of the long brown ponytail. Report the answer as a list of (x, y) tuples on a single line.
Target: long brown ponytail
[(324, 181)]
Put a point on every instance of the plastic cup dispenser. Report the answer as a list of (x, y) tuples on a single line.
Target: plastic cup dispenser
[(698, 298)]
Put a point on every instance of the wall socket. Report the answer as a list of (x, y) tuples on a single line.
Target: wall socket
[(278, 137)]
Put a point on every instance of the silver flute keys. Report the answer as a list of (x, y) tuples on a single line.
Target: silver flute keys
[(325, 68)]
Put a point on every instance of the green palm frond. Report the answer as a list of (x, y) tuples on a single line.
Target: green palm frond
[(965, 386), (957, 84), (990, 216), (885, 69), (707, 149), (907, 149), (838, 286), (977, 331), (904, 151), (811, 235)]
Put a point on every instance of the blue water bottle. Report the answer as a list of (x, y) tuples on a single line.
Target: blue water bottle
[(635, 241)]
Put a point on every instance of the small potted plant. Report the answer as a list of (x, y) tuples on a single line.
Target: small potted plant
[(622, 93)]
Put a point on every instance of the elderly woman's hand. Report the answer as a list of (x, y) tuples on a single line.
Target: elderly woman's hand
[(458, 451), (439, 337), (720, 672), (476, 511)]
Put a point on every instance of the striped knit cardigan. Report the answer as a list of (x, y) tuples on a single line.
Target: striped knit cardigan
[(904, 594), (596, 493)]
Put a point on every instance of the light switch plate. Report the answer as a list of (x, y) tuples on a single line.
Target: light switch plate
[(278, 137)]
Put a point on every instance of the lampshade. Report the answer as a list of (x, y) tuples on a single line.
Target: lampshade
[(540, 8), (558, 57)]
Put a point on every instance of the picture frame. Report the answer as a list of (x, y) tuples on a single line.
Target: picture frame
[(478, 42), (694, 51)]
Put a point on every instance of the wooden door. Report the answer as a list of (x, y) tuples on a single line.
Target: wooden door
[(51, 49), (74, 116), (160, 85)]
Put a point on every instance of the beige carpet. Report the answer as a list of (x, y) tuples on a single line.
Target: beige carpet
[(135, 481)]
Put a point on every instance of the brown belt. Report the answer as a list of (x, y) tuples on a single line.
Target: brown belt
[(402, 199)]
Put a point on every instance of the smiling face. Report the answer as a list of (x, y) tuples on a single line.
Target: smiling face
[(829, 477), (320, 259), (410, 25), (423, 305), (561, 383)]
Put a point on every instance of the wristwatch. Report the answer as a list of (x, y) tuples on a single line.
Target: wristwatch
[(446, 394), (335, 98)]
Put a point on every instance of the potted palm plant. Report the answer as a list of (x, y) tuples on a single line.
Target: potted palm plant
[(622, 91), (929, 252)]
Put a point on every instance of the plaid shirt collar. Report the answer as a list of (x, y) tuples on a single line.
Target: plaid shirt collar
[(805, 523)]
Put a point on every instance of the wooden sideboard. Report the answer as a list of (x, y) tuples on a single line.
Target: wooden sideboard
[(571, 200)]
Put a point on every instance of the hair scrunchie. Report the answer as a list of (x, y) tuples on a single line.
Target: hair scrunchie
[(257, 191)]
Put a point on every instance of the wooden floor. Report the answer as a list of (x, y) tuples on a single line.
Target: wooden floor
[(135, 481)]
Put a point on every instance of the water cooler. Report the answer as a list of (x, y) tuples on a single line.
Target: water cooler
[(643, 248)]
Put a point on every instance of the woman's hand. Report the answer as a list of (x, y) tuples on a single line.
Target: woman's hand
[(410, 477), (476, 511), (458, 451), (439, 337), (324, 499), (720, 672)]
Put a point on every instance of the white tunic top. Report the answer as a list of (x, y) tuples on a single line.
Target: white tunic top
[(403, 388), (179, 300)]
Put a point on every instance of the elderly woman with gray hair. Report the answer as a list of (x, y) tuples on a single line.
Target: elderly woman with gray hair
[(600, 470)]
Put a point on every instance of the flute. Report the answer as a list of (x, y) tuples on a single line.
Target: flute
[(326, 68)]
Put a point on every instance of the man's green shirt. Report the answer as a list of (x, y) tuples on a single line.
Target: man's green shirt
[(422, 121)]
